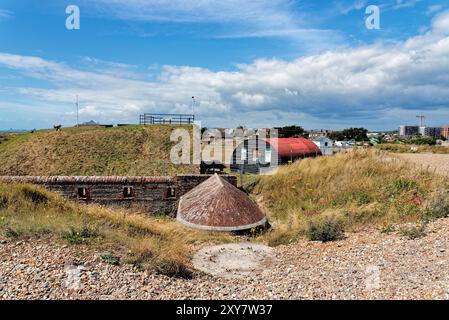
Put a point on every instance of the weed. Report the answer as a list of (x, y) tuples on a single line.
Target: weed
[(75, 237), (402, 185), (325, 229), (110, 259)]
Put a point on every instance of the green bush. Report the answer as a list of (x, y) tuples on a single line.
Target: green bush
[(325, 229)]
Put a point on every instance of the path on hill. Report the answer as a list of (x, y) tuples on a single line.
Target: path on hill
[(438, 163), (365, 265)]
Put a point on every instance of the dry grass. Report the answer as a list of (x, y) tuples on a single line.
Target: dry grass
[(362, 188), (133, 150), (407, 148), (158, 244), (437, 163)]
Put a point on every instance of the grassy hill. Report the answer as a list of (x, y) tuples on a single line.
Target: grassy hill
[(351, 191), (131, 150)]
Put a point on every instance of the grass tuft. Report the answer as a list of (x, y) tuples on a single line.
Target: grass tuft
[(325, 229), (413, 231)]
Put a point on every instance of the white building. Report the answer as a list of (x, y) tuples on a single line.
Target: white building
[(326, 145)]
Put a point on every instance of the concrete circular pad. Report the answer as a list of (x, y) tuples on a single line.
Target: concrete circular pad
[(234, 260)]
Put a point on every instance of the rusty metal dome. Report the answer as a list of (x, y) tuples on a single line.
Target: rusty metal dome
[(217, 205)]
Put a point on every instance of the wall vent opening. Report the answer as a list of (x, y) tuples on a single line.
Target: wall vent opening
[(83, 193), (128, 192), (171, 193)]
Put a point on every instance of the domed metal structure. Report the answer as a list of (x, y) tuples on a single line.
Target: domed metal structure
[(217, 205)]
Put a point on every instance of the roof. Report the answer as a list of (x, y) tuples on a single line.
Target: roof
[(216, 205), (294, 147)]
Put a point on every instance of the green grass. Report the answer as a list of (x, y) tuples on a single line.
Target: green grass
[(358, 188), (157, 244), (130, 150)]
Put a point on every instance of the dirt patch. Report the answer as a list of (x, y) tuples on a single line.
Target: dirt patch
[(235, 260)]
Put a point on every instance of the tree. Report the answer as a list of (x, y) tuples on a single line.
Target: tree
[(356, 134), (291, 132)]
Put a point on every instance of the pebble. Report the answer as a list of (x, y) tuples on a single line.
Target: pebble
[(366, 265)]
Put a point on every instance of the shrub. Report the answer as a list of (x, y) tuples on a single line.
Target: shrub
[(327, 228), (173, 267), (413, 231), (438, 208)]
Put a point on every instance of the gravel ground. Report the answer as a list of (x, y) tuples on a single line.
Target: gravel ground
[(366, 265), (438, 163)]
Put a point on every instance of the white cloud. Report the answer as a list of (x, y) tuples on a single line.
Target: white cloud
[(5, 14), (355, 5), (400, 4), (441, 23), (236, 18), (431, 10), (356, 85)]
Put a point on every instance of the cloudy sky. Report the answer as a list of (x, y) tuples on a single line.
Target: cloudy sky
[(258, 63)]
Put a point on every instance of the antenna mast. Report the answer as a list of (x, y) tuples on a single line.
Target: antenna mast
[(421, 118), (193, 105), (77, 112)]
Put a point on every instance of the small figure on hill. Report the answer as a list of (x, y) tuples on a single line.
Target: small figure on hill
[(57, 127)]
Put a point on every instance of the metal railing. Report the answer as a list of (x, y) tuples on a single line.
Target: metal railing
[(175, 119)]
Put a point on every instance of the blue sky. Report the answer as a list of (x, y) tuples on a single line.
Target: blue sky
[(256, 63)]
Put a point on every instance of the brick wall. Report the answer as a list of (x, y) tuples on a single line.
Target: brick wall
[(154, 195)]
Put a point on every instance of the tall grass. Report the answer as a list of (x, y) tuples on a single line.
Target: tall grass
[(363, 188), (157, 244)]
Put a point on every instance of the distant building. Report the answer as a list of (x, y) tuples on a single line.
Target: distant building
[(408, 131), (422, 131), (256, 155), (326, 145), (445, 132), (434, 132), (318, 133)]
